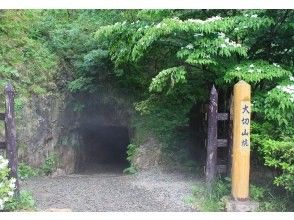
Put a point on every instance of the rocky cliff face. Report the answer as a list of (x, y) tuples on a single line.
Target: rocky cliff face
[(149, 154), (47, 125)]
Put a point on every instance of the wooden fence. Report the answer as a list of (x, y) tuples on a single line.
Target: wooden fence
[(213, 143), (10, 134)]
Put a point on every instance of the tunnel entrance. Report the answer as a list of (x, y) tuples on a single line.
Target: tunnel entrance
[(104, 147)]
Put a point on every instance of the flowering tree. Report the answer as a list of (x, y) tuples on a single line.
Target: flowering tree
[(7, 185), (193, 49)]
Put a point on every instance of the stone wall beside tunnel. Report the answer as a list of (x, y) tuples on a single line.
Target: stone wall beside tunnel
[(47, 125)]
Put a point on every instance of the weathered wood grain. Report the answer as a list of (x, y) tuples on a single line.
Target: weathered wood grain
[(211, 158), (10, 135)]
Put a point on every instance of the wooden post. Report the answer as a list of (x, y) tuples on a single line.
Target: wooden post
[(210, 171), (241, 141), (10, 135), (230, 136)]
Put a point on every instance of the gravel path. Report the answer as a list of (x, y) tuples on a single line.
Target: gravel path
[(108, 189)]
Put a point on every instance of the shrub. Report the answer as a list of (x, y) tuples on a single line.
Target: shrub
[(130, 170), (269, 198), (50, 164), (25, 202), (279, 155), (210, 201), (25, 171), (132, 149), (7, 184)]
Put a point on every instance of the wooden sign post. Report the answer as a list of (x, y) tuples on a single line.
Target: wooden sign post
[(241, 141)]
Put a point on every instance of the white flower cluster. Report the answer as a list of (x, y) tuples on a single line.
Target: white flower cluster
[(252, 16), (276, 65), (227, 41), (221, 35), (135, 22), (6, 184), (190, 46), (289, 89), (3, 200), (3, 162), (199, 21), (250, 69), (214, 18), (198, 35), (1, 204), (12, 183)]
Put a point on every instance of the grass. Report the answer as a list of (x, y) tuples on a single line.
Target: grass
[(25, 171), (25, 202), (270, 198), (203, 200)]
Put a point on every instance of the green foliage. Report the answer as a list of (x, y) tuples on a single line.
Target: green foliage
[(19, 103), (274, 129), (25, 171), (80, 84), (130, 170), (222, 48), (269, 198), (24, 59), (256, 71), (8, 202), (50, 164), (170, 76), (276, 108), (279, 154), (210, 201), (257, 193), (131, 152), (161, 119), (191, 50), (7, 184), (25, 202)]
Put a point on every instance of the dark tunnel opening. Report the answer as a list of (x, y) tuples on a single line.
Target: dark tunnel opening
[(104, 147)]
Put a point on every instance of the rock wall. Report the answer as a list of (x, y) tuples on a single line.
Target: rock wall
[(148, 155), (47, 125)]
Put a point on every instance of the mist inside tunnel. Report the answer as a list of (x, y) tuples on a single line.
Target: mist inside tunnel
[(104, 146)]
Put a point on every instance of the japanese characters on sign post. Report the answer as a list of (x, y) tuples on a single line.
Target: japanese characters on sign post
[(241, 141), (245, 125)]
